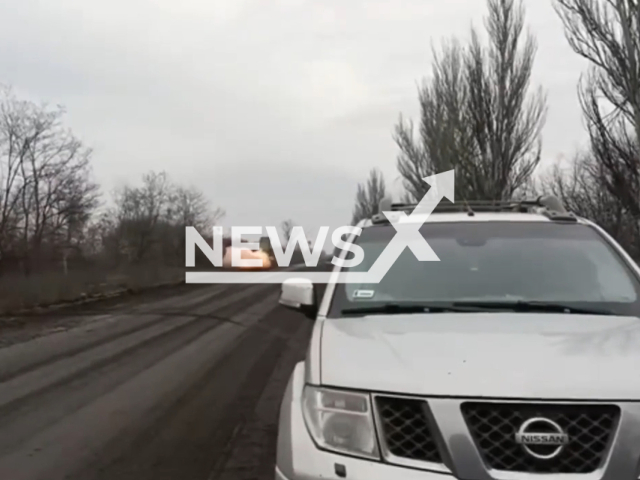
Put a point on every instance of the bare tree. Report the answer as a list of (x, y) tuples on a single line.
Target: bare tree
[(581, 187), (442, 140), (47, 194), (190, 207), (139, 210), (287, 228), (478, 114), (369, 196), (607, 34), (506, 119), (148, 221)]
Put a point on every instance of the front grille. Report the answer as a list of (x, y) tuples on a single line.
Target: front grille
[(494, 426), (406, 429)]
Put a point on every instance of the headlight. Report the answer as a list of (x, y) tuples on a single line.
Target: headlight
[(340, 421)]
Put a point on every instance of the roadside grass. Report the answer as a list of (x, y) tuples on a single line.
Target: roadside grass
[(19, 292)]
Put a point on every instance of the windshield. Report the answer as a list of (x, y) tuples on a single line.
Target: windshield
[(498, 261)]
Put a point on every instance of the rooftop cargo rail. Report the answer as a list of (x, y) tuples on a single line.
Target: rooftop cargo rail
[(549, 205)]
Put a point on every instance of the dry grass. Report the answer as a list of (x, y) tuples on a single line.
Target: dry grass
[(18, 292)]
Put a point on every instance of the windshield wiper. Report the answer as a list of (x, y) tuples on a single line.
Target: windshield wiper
[(397, 308), (533, 306)]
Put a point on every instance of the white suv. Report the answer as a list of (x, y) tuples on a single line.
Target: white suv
[(513, 357)]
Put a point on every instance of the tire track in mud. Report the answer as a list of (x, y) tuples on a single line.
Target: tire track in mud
[(251, 454), (26, 414), (121, 326), (31, 325), (115, 333), (188, 438)]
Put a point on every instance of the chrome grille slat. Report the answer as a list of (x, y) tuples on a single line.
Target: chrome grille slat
[(493, 427), (406, 429), (411, 433)]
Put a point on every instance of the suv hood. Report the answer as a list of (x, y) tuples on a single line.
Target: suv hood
[(559, 356)]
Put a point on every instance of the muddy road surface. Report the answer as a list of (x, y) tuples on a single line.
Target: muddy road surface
[(183, 384)]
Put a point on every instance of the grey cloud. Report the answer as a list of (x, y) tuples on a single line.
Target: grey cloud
[(270, 193), (283, 90)]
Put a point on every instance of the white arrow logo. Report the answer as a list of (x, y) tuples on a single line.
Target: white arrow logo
[(407, 235), (408, 228)]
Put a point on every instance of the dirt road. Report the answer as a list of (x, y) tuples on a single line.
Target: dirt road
[(183, 384)]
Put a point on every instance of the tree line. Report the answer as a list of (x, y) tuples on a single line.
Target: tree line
[(481, 115), (60, 235)]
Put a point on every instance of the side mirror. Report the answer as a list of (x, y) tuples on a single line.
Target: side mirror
[(299, 294)]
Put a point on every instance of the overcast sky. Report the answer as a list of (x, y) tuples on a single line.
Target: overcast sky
[(275, 108)]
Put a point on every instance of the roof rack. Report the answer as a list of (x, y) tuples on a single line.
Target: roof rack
[(549, 205)]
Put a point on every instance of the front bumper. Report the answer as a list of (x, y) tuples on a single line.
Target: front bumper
[(323, 468), (298, 458)]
